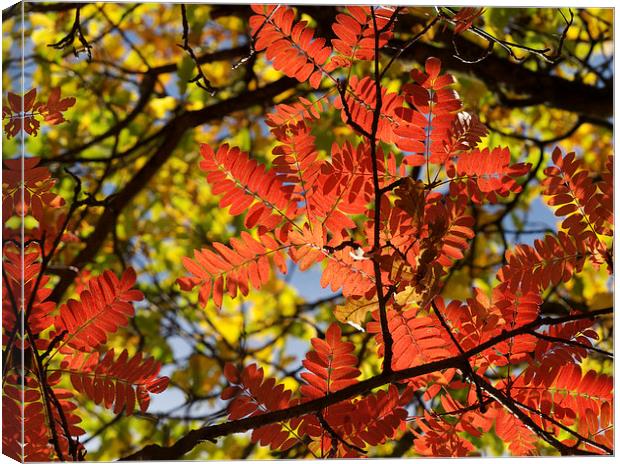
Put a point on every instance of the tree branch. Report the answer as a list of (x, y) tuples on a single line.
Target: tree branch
[(193, 438), (551, 339), (509, 404), (382, 301), (466, 366), (555, 91), (171, 135), (35, 7)]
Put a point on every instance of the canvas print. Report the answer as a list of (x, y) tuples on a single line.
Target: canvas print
[(261, 231)]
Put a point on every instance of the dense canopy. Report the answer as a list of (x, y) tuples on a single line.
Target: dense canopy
[(306, 231)]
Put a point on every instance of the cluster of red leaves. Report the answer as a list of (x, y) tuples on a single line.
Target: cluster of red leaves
[(23, 112), (65, 341), (355, 32), (464, 19), (304, 207), (35, 182), (307, 208), (291, 45), (588, 213), (353, 424)]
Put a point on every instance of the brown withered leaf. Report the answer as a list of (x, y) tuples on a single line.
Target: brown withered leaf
[(411, 199)]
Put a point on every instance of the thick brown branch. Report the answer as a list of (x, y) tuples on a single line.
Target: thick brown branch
[(497, 72), (32, 7), (189, 441)]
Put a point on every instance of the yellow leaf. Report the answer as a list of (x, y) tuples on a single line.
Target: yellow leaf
[(160, 106), (355, 310), (601, 300), (408, 296)]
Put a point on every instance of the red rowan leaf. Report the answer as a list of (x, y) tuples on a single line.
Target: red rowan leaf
[(356, 34), (331, 366), (517, 309), (104, 306), (450, 230), (247, 187), (344, 270), (36, 189), (346, 182), (305, 109), (230, 269), (55, 106), (230, 372), (474, 322), (256, 394), (21, 104), (416, 339), (24, 113), (521, 440), (571, 190), (465, 133), (552, 260), (296, 164), (369, 421), (361, 99), (438, 437), (550, 356), (465, 17), (24, 419), (424, 128), (381, 415), (485, 174), (291, 46), (114, 383), (22, 273), (570, 396)]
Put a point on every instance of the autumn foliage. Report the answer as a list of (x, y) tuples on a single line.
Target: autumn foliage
[(386, 215), (62, 345), (391, 270)]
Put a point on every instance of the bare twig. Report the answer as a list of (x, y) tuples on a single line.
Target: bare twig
[(466, 366), (69, 39), (200, 79), (552, 339), (385, 331), (335, 435)]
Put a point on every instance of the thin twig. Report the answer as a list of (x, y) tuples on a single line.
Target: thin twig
[(407, 45), (336, 435), (552, 339), (200, 79), (67, 41), (385, 330), (466, 366)]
